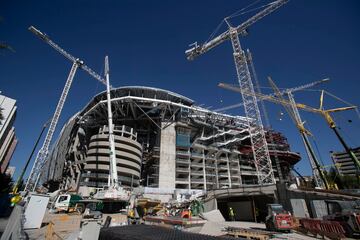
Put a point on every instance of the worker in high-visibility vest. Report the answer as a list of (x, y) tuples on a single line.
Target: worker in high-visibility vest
[(231, 214), (131, 216)]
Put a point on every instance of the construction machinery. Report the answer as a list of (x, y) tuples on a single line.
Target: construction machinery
[(75, 203), (318, 174), (278, 219), (291, 108), (265, 115), (41, 157), (20, 178), (114, 192), (260, 151), (326, 114)]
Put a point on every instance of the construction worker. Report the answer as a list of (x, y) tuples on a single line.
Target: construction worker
[(131, 216), (231, 214)]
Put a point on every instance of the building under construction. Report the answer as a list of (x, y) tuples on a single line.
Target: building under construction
[(164, 141)]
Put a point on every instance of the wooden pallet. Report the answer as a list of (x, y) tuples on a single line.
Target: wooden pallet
[(248, 233)]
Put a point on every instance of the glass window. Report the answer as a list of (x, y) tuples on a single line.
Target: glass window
[(63, 198)]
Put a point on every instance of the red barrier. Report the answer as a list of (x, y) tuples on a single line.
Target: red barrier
[(331, 229)]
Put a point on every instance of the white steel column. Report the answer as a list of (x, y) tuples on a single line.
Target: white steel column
[(114, 181)]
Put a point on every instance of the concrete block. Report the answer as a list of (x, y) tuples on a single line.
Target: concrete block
[(299, 208), (213, 216), (318, 208)]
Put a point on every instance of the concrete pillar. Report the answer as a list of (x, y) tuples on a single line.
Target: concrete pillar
[(238, 161), (228, 169), (167, 156), (204, 168)]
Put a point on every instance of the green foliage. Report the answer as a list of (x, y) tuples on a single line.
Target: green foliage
[(342, 181)]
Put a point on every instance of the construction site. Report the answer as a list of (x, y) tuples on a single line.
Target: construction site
[(142, 162)]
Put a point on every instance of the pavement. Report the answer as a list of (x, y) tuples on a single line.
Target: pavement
[(67, 225), (3, 223), (216, 229)]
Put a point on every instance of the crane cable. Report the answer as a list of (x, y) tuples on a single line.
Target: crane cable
[(339, 118), (215, 31), (248, 11), (237, 13), (240, 11)]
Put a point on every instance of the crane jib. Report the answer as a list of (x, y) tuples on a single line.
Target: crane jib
[(192, 53)]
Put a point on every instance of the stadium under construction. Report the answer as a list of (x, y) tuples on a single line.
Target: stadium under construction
[(164, 142)]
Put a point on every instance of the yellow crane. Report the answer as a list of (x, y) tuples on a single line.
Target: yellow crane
[(291, 108), (318, 174), (300, 125)]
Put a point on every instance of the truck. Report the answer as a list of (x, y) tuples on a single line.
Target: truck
[(75, 203)]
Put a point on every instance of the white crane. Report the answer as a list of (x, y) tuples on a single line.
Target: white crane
[(114, 180), (114, 191), (44, 151), (260, 150)]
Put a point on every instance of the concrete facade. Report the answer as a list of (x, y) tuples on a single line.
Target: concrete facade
[(167, 156), (8, 140), (128, 158)]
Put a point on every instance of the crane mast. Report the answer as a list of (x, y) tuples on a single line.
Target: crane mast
[(319, 178), (265, 115), (260, 150), (113, 169), (256, 130), (41, 157)]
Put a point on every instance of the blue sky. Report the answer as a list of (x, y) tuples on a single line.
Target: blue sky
[(303, 41)]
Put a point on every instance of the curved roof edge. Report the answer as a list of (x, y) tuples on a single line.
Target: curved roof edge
[(142, 89)]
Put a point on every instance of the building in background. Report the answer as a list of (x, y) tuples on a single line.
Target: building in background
[(344, 164), (8, 140)]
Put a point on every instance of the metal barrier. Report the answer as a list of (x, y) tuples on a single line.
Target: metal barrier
[(331, 229)]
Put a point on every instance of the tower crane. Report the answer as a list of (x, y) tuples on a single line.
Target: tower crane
[(266, 117), (256, 129), (41, 157)]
